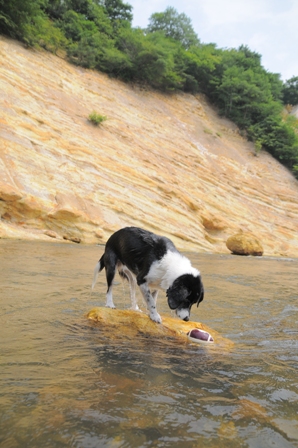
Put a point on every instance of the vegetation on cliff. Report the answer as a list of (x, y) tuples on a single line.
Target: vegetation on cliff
[(168, 56)]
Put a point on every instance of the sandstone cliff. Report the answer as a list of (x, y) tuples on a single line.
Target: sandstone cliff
[(164, 162)]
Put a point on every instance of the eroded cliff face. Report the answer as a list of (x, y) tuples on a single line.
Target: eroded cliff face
[(167, 163)]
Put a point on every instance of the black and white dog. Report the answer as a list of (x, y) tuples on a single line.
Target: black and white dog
[(150, 261)]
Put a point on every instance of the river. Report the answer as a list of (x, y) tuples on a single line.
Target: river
[(63, 383)]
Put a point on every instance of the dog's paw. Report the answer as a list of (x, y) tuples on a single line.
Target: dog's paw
[(156, 318), (136, 308), (110, 305)]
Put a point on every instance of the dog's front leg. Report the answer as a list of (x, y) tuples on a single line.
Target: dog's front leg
[(151, 302), (154, 295)]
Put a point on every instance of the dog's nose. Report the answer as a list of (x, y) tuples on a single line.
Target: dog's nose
[(186, 319)]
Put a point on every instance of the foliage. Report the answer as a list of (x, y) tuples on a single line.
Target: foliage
[(16, 15), (290, 91), (25, 20), (174, 25), (278, 138), (118, 11), (44, 34), (168, 56), (96, 118)]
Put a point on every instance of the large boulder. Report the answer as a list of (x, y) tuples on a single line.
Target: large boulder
[(128, 324), (245, 244)]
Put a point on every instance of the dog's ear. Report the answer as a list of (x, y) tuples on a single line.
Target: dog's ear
[(176, 294), (201, 298)]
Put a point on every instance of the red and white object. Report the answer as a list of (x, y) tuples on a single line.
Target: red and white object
[(201, 336)]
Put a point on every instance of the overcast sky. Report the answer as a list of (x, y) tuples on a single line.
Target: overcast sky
[(269, 27)]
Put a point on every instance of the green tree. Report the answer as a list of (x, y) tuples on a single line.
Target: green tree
[(89, 49), (240, 94), (27, 21), (130, 41), (196, 66), (278, 138), (168, 51), (117, 11), (152, 58), (89, 35), (248, 58), (55, 8), (242, 88), (94, 20), (15, 15), (116, 63), (290, 91), (43, 33), (74, 25), (174, 25), (276, 85)]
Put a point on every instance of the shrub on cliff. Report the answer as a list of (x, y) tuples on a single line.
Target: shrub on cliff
[(96, 118)]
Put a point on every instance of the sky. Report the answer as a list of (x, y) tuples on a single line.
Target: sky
[(268, 27)]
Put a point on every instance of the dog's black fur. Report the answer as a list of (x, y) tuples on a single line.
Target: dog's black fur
[(149, 260)]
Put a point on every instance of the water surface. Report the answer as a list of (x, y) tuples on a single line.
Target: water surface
[(63, 383)]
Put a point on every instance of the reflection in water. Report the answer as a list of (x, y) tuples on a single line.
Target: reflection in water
[(64, 383)]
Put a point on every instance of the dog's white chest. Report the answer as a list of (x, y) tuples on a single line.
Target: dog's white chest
[(164, 272)]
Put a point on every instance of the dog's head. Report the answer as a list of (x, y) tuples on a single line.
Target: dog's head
[(184, 292)]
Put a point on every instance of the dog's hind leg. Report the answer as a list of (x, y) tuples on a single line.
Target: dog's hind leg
[(110, 265), (127, 274), (132, 288), (109, 295)]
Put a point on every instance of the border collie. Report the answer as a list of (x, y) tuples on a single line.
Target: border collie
[(152, 262)]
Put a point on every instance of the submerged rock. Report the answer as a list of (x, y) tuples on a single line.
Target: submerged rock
[(245, 244), (129, 324)]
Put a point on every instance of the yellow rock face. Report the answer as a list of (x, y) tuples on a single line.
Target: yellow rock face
[(167, 163), (129, 324)]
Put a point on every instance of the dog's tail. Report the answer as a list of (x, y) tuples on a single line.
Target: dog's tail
[(99, 267)]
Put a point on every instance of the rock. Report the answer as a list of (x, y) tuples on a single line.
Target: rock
[(74, 239), (213, 223), (6, 217), (51, 233), (99, 234), (127, 324), (9, 193), (245, 244)]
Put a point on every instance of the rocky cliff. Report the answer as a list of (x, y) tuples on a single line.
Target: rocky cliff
[(164, 162)]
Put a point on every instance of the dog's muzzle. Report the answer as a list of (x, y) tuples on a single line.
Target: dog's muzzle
[(183, 313)]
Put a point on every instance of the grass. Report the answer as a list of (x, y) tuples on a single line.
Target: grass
[(96, 118)]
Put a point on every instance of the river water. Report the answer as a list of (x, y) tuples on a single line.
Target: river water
[(63, 383)]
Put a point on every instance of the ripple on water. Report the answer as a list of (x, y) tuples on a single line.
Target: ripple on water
[(63, 382)]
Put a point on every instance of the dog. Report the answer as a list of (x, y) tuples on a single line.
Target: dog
[(152, 262)]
